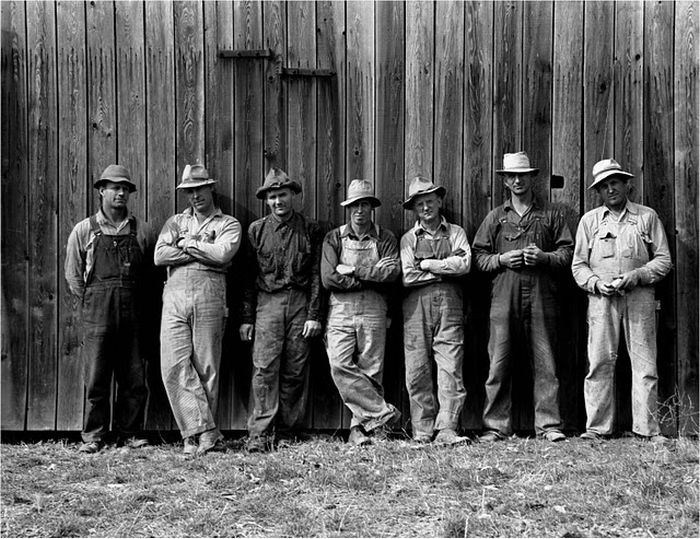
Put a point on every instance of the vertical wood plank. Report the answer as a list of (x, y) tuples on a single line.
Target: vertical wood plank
[(274, 28), (598, 107), (478, 134), (658, 181), (160, 175), (72, 200), (566, 164), (629, 48), (43, 234), (15, 192), (360, 91), (248, 112), (507, 126), (102, 101), (687, 24), (301, 103), (131, 93), (537, 90), (449, 110), (189, 86)]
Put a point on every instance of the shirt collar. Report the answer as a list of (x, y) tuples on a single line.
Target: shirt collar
[(536, 205), (346, 231), (418, 228), (630, 207), (102, 219), (190, 211), (278, 223)]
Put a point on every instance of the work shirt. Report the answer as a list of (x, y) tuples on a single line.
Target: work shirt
[(79, 263), (447, 249), (504, 230), (607, 246), (208, 246), (283, 255)]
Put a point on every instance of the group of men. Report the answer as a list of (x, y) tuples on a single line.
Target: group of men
[(620, 252)]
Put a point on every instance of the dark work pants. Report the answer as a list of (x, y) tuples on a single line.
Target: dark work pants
[(111, 347)]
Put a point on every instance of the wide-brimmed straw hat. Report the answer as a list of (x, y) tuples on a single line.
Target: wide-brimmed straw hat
[(195, 176), (422, 186), (361, 190), (276, 179), (517, 163), (604, 169), (116, 174)]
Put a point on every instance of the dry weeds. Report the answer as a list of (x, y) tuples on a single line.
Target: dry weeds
[(517, 488)]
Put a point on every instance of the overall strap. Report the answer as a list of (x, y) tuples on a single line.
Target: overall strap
[(132, 226), (96, 230)]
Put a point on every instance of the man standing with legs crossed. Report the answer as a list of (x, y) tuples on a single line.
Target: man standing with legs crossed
[(359, 260)]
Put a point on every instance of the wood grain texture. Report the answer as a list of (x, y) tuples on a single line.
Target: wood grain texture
[(360, 91), (72, 201), (629, 116), (658, 181), (102, 100), (189, 86), (275, 30), (448, 133), (301, 104), (43, 226), (15, 190), (537, 90), (507, 126), (248, 112), (161, 177), (685, 84), (131, 98), (598, 106)]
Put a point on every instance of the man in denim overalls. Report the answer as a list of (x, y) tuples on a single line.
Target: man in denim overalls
[(434, 253), (106, 259), (522, 243), (621, 253), (359, 260)]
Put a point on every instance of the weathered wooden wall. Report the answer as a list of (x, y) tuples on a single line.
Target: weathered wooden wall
[(441, 89)]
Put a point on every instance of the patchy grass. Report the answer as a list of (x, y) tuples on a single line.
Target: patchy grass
[(521, 487)]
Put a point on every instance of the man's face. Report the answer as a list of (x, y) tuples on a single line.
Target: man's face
[(427, 208), (201, 198), (614, 191), (114, 195), (280, 201), (360, 212), (518, 184)]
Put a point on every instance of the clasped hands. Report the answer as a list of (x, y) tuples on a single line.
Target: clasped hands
[(517, 258), (625, 281)]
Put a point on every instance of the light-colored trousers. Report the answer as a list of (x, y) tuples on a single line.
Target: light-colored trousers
[(634, 314), (192, 329)]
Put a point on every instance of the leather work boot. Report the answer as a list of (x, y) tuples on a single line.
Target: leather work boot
[(450, 437), (554, 436), (358, 438), (211, 440), (90, 447), (491, 436), (383, 432), (190, 446), (258, 444)]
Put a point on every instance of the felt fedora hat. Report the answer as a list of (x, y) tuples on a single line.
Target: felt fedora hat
[(276, 179), (604, 169), (517, 163), (116, 174), (195, 176), (361, 190), (422, 186)]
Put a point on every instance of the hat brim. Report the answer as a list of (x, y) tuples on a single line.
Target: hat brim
[(192, 184), (261, 193), (439, 189), (98, 183), (518, 171), (609, 173), (374, 201)]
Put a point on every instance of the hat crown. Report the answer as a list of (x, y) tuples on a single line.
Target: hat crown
[(360, 188), (195, 176), (116, 172), (198, 172), (276, 176), (605, 165), (516, 161), (418, 185)]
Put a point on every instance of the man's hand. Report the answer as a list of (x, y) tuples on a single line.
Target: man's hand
[(387, 262), (606, 289), (534, 256), (626, 281), (426, 265), (311, 329), (512, 259), (246, 332), (344, 269)]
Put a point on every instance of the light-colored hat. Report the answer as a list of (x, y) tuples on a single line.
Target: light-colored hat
[(361, 190), (422, 186), (116, 174), (276, 179), (195, 176), (517, 163), (606, 168)]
